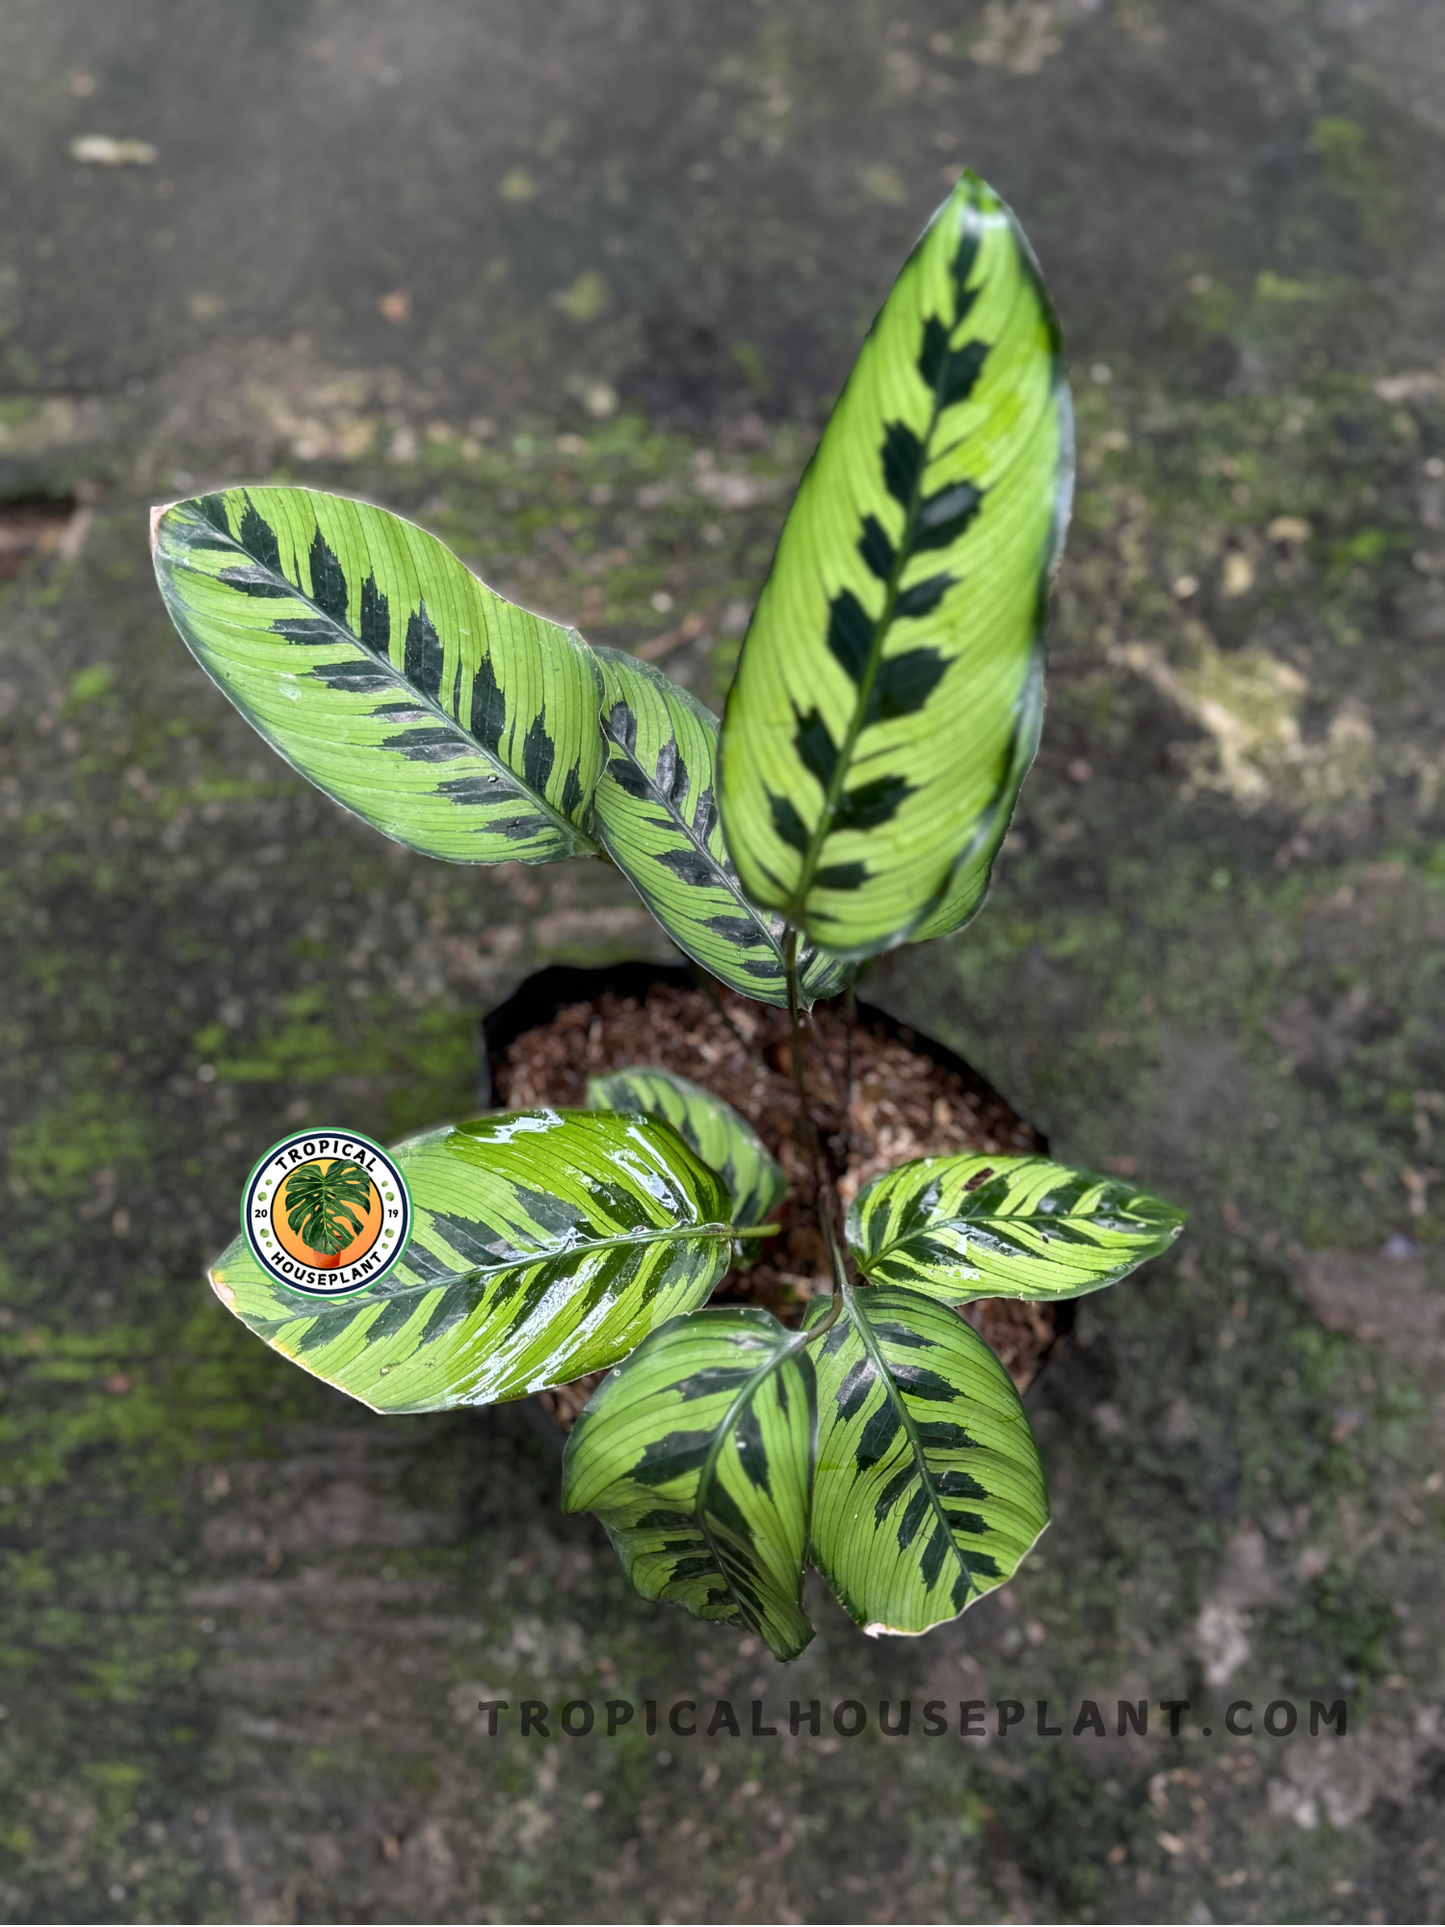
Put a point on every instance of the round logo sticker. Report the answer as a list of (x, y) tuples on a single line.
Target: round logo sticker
[(326, 1212)]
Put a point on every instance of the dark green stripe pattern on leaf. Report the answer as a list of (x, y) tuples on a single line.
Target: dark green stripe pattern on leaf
[(929, 1489), (886, 704), (545, 1244), (386, 673), (722, 1139), (979, 1226), (658, 821), (697, 1456)]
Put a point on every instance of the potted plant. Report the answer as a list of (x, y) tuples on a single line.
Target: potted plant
[(886, 707)]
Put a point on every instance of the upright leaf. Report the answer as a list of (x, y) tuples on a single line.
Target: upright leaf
[(386, 673), (722, 1139), (972, 874), (657, 818), (929, 1489), (978, 1226), (545, 1244), (697, 1455), (887, 696)]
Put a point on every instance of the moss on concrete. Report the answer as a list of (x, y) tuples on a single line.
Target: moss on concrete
[(244, 1626)]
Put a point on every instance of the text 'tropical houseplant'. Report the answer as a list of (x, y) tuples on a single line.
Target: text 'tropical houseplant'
[(886, 706)]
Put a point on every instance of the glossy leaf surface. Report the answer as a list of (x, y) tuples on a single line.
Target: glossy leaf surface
[(979, 1226), (887, 698), (697, 1455), (657, 818), (968, 886), (544, 1245), (929, 1489), (721, 1138), (385, 672)]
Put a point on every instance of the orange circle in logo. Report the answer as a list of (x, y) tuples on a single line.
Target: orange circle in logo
[(370, 1218)]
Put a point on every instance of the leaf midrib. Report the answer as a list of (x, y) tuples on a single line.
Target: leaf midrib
[(842, 768), (744, 1396), (502, 767), (478, 1273), (995, 1219), (880, 1365), (1000, 1221)]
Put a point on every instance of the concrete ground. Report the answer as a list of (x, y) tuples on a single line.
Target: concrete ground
[(574, 285)]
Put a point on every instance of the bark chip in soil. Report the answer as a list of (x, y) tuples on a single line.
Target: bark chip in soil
[(876, 1099)]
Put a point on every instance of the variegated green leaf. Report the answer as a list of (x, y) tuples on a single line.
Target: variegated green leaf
[(545, 1244), (657, 818), (697, 1456), (386, 673), (720, 1137), (929, 1489), (887, 695), (979, 1226), (968, 886)]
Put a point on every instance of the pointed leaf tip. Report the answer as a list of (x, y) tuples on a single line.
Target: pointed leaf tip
[(697, 1455), (544, 1245), (929, 1489), (385, 672), (160, 509), (977, 1225), (885, 707)]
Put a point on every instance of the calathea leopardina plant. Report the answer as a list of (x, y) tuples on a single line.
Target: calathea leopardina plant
[(886, 707)]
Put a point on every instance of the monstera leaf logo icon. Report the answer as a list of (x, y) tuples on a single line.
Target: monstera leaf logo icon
[(322, 1206)]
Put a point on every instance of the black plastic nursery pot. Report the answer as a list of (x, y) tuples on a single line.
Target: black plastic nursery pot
[(540, 998), (540, 1001)]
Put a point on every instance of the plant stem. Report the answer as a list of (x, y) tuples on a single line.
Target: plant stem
[(830, 1319), (850, 1024), (807, 1130)]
